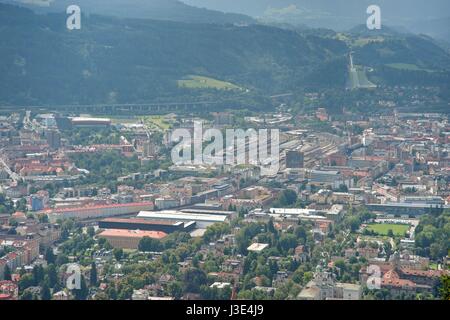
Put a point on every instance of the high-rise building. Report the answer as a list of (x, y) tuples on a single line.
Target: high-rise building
[(53, 139), (39, 201), (149, 149), (294, 159)]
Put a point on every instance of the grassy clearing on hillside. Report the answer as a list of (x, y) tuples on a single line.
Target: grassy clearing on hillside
[(361, 42), (383, 228), (407, 66), (157, 123), (199, 82)]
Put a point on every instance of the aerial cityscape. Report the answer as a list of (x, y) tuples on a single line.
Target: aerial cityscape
[(210, 150)]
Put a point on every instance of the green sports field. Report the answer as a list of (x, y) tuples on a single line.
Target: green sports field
[(383, 228)]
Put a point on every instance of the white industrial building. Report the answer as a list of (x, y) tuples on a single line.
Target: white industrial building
[(202, 220)]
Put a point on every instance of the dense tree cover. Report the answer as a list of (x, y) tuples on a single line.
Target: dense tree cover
[(45, 292), (444, 289), (29, 295), (77, 245), (81, 246), (287, 241), (175, 289), (6, 205), (194, 279), (177, 247), (433, 235), (93, 277), (411, 50), (355, 217), (82, 293), (118, 253), (385, 294), (143, 267), (150, 244), (254, 295), (21, 205), (106, 167), (286, 198), (262, 58), (258, 268), (215, 293), (347, 271), (264, 266), (7, 273), (216, 230), (135, 50), (89, 136), (246, 234), (43, 218), (49, 256), (45, 278)]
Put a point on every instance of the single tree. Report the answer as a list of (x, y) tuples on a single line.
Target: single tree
[(445, 287), (93, 275), (45, 292), (7, 273), (49, 256), (52, 275), (118, 253), (82, 293)]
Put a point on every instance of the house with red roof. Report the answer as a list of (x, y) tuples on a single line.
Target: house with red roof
[(8, 290)]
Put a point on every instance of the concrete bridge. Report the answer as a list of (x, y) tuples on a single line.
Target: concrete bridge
[(136, 108)]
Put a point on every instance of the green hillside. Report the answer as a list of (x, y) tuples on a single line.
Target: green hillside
[(172, 10), (112, 60)]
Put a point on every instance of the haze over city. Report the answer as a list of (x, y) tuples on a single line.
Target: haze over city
[(234, 151)]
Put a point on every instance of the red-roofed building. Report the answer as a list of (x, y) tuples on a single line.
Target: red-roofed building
[(19, 216), (25, 252), (423, 277), (98, 211), (129, 239), (398, 279), (4, 218), (391, 280), (8, 290), (5, 296)]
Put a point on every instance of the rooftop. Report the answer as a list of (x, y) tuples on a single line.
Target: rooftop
[(103, 206), (82, 119), (257, 247), (132, 233), (141, 221), (178, 215)]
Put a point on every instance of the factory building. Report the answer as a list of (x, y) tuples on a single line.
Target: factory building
[(407, 208), (90, 122), (129, 239), (294, 159), (202, 220), (229, 214), (98, 211), (166, 226)]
